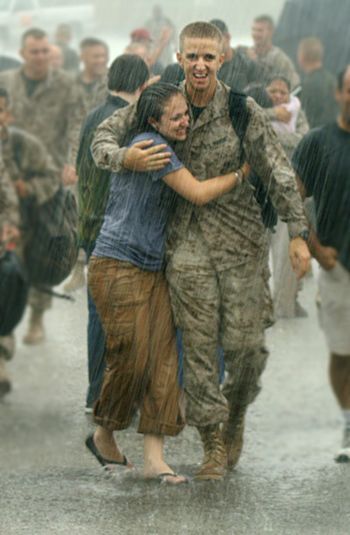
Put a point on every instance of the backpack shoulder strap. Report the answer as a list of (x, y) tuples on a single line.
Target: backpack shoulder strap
[(240, 116)]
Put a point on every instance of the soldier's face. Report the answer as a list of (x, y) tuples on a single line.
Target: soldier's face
[(36, 56), (201, 59), (174, 121), (95, 59), (343, 99), (261, 33)]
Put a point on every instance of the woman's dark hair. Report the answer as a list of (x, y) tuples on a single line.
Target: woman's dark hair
[(282, 78), (152, 102)]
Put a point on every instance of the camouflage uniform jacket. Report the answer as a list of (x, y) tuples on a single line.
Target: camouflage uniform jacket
[(48, 113), (26, 158), (89, 96), (276, 62), (9, 209), (231, 225)]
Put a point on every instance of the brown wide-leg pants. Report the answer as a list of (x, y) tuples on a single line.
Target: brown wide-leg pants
[(141, 356)]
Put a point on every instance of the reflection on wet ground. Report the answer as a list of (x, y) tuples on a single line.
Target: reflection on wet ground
[(286, 482)]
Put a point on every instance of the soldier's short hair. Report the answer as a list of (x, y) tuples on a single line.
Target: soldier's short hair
[(36, 33), (221, 25), (88, 42), (127, 73), (266, 19), (5, 94), (200, 30), (341, 77), (312, 49)]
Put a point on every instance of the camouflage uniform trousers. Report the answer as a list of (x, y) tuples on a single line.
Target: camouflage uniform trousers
[(226, 308)]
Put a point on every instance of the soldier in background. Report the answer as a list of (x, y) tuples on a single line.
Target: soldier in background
[(33, 176), (318, 84), (271, 59), (91, 88), (44, 104), (63, 37), (163, 33), (238, 70)]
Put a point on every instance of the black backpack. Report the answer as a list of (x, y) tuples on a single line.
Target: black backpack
[(240, 117), (51, 249), (13, 292)]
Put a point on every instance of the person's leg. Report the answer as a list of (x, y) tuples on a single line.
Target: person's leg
[(195, 302), (7, 349), (39, 302), (242, 324), (160, 412), (334, 316), (285, 283), (96, 350)]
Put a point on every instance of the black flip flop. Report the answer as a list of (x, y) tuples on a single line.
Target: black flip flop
[(90, 444)]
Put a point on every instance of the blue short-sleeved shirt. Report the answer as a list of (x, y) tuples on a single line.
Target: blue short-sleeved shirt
[(138, 210)]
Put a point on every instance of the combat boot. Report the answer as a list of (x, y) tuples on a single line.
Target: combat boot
[(36, 333), (214, 462), (233, 440), (77, 279), (5, 383)]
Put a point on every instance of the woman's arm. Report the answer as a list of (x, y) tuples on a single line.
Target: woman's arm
[(201, 192)]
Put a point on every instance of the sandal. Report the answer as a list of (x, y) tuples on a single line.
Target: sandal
[(90, 444)]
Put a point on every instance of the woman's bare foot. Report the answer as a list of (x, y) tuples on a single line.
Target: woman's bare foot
[(154, 465), (107, 446)]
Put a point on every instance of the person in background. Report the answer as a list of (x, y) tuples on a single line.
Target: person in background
[(141, 43), (286, 286), (34, 178), (127, 77), (44, 103), (318, 84), (91, 88), (63, 36), (322, 164), (238, 70), (271, 59), (163, 33), (56, 57)]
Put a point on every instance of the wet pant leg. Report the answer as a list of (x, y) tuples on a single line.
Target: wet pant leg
[(140, 354)]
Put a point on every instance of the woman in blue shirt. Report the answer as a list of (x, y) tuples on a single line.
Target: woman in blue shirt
[(127, 282)]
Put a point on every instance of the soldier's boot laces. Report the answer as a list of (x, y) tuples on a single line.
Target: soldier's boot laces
[(233, 440), (36, 333), (5, 383), (214, 463), (77, 279)]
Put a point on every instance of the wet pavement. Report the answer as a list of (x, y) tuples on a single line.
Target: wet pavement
[(286, 481)]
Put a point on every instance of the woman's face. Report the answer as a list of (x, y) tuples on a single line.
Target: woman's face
[(278, 92), (174, 121)]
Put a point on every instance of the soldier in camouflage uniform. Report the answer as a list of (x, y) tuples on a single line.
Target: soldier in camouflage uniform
[(217, 254), (32, 175), (44, 104), (9, 222), (92, 91), (270, 59)]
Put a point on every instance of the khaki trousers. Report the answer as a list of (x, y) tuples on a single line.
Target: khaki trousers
[(141, 357)]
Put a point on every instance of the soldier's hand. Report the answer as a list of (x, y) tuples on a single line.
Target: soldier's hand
[(22, 188), (140, 158), (69, 176), (326, 256), (282, 114), (300, 257)]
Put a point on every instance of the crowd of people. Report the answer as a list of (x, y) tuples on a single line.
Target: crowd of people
[(188, 176)]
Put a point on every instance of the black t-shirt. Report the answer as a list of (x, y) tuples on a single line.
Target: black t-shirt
[(322, 161), (196, 111), (317, 97), (31, 85)]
